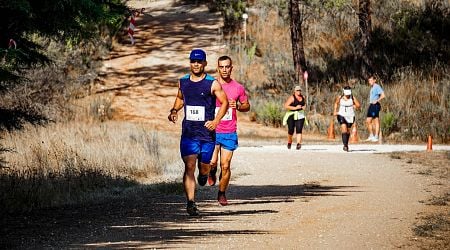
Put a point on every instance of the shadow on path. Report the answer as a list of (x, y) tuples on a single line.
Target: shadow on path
[(151, 219)]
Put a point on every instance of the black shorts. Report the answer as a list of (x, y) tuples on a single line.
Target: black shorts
[(295, 124), (374, 110), (342, 120)]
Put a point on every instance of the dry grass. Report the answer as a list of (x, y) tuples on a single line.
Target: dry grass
[(417, 101), (77, 162)]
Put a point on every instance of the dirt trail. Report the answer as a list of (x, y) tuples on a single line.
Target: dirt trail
[(279, 198), (142, 79)]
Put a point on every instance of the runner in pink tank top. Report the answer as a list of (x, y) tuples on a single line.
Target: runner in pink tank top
[(226, 135)]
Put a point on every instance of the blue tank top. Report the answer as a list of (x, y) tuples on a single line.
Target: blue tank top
[(199, 107)]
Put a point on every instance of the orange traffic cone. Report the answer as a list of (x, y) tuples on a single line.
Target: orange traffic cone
[(330, 131), (430, 144), (354, 134)]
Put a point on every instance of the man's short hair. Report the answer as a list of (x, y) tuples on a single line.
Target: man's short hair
[(224, 58)]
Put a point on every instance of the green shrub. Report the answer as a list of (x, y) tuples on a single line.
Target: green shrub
[(269, 113), (388, 123)]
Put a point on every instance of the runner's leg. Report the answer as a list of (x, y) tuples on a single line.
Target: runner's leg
[(225, 162), (344, 131), (299, 130), (376, 122), (212, 174), (369, 126), (189, 176)]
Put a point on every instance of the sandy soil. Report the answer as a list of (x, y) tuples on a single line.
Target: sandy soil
[(279, 198)]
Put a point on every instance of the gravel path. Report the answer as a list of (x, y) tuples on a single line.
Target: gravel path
[(279, 199), (310, 199)]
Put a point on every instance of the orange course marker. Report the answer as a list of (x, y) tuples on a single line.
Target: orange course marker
[(430, 143), (330, 131)]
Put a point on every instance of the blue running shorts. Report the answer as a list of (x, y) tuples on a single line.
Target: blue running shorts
[(228, 141), (204, 149)]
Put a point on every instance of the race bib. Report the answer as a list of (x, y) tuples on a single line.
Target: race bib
[(195, 113), (349, 119), (228, 116), (300, 115)]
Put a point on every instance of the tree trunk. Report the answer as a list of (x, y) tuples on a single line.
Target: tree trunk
[(298, 51), (365, 28)]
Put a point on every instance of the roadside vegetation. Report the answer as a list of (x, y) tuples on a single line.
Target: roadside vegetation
[(409, 50), (57, 149), (69, 163)]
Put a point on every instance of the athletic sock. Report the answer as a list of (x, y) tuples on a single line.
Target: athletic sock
[(346, 138)]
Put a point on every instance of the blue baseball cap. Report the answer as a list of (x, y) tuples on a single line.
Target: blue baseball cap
[(197, 54)]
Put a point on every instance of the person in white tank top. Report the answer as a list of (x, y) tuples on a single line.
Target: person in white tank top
[(344, 110)]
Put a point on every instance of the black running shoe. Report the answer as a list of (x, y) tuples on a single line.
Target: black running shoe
[(202, 179), (212, 178), (289, 145), (345, 148), (191, 208), (299, 146)]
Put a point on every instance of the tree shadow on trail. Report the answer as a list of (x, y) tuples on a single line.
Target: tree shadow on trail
[(154, 220)]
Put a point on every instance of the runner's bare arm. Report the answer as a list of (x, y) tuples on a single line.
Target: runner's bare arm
[(336, 103), (243, 107), (178, 104), (217, 90), (287, 104), (382, 96)]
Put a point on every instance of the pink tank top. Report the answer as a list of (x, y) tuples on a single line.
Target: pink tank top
[(235, 91)]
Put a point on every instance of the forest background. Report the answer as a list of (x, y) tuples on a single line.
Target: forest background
[(57, 151)]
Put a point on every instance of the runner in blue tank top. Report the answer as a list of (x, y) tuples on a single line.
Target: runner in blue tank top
[(197, 93)]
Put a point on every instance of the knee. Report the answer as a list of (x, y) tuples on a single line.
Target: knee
[(189, 169), (225, 166)]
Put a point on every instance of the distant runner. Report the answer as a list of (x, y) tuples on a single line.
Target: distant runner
[(295, 116), (344, 110), (226, 135), (197, 93)]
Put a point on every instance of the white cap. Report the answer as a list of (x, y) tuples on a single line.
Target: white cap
[(347, 91)]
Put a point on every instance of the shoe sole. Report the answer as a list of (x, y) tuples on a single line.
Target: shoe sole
[(192, 211), (202, 180), (223, 203), (212, 180)]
